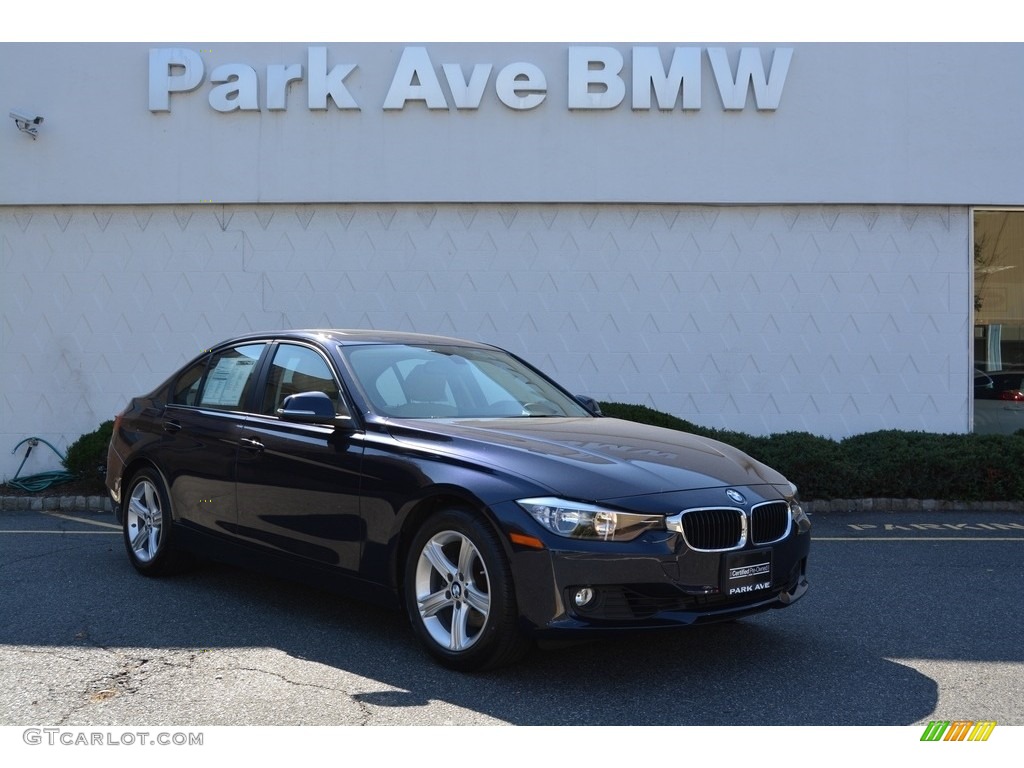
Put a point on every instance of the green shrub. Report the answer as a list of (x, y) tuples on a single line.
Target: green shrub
[(819, 466), (885, 464), (890, 462), (88, 454)]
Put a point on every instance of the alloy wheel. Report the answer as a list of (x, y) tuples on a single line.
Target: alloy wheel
[(144, 524), (452, 590)]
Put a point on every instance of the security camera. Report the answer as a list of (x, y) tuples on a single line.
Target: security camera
[(26, 117), (26, 121)]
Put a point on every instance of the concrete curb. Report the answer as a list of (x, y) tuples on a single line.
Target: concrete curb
[(103, 504), (56, 504)]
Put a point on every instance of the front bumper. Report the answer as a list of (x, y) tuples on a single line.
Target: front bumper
[(656, 581)]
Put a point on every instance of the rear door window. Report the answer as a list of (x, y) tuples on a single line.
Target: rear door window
[(230, 377)]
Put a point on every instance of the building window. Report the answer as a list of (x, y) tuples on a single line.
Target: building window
[(998, 321)]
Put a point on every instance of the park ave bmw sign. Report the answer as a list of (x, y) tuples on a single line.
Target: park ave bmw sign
[(594, 75)]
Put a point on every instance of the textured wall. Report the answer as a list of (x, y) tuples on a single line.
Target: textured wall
[(830, 319)]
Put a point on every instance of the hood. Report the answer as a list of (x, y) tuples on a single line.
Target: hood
[(600, 459)]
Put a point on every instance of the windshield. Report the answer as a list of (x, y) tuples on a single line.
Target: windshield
[(451, 382)]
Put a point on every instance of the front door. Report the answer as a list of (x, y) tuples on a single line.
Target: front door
[(299, 484)]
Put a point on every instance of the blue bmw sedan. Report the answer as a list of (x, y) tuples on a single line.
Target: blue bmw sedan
[(454, 480)]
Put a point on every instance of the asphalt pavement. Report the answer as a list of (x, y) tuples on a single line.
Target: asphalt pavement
[(910, 617)]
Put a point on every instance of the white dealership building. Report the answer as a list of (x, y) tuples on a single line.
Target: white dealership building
[(761, 237)]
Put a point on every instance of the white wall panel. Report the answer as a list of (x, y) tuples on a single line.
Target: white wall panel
[(830, 319)]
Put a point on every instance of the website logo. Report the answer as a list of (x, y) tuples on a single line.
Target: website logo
[(958, 730)]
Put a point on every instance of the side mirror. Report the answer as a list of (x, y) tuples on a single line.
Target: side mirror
[(590, 404), (310, 408)]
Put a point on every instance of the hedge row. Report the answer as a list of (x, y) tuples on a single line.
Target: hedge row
[(887, 464)]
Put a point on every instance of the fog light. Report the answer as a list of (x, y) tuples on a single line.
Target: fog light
[(583, 596)]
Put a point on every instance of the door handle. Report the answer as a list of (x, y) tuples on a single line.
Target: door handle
[(171, 426), (251, 444)]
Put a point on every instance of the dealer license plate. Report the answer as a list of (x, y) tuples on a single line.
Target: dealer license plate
[(747, 572)]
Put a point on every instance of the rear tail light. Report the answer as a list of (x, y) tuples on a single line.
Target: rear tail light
[(1012, 394)]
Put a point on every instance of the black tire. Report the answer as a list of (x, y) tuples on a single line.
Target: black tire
[(459, 594), (147, 525)]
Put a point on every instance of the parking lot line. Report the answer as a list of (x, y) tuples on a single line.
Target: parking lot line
[(918, 538), (70, 533), (83, 520)]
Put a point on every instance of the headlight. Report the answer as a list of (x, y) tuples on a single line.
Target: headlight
[(576, 520), (800, 518)]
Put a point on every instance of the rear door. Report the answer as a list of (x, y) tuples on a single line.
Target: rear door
[(202, 427)]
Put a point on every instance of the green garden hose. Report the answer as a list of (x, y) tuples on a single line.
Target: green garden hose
[(42, 480)]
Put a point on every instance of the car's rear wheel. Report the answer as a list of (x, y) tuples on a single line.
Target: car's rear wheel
[(459, 593), (146, 518)]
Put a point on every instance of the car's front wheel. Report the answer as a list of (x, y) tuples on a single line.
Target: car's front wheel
[(459, 593), (146, 519)]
